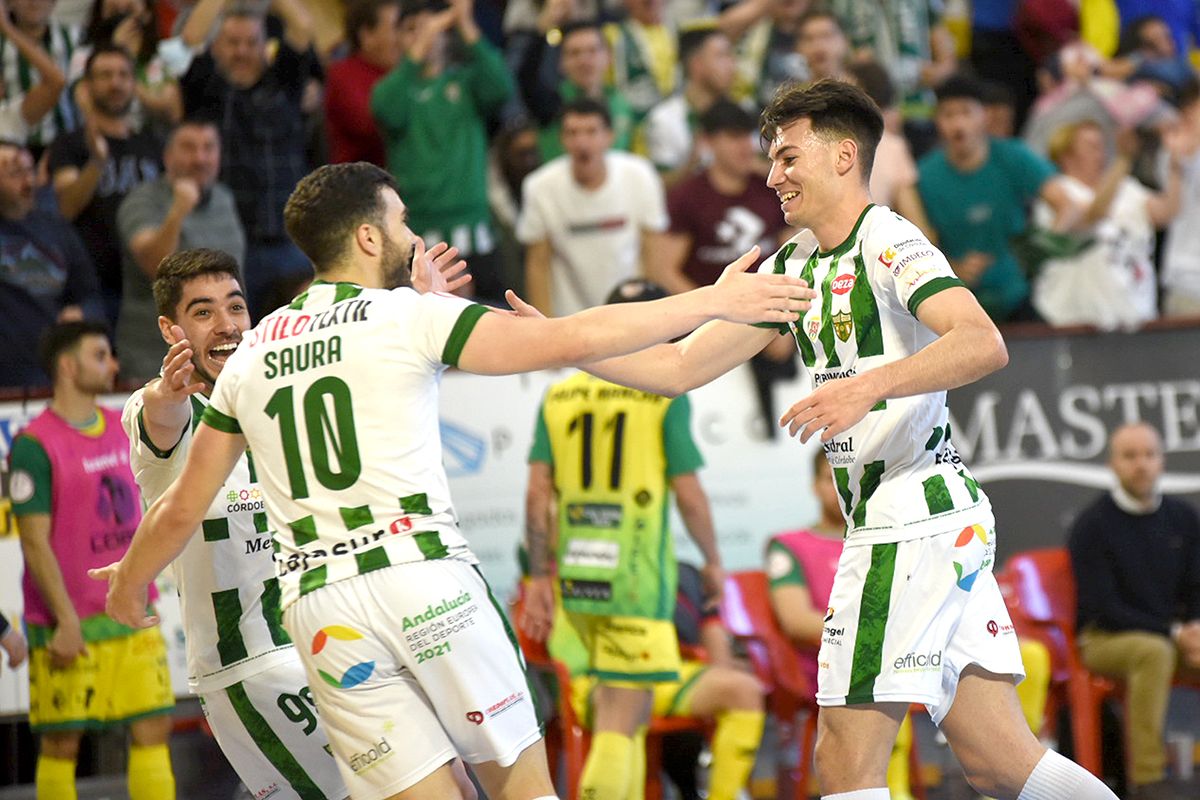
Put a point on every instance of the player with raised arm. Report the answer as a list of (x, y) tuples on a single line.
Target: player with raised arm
[(891, 329), (406, 652), (241, 661)]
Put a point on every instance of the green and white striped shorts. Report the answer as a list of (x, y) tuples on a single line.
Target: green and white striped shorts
[(905, 619), (267, 726)]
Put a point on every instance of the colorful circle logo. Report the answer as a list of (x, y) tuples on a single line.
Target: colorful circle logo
[(351, 677)]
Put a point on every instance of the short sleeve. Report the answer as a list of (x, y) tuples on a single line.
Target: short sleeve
[(442, 324), (1027, 168), (783, 568), (137, 212), (222, 405), (153, 469), (539, 451), (652, 197), (913, 269), (682, 454), (531, 222), (30, 482)]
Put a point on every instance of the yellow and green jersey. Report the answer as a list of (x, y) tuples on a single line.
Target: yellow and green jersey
[(898, 475), (613, 451)]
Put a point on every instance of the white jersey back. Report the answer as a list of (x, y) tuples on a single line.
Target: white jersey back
[(337, 396), (226, 577), (896, 471)]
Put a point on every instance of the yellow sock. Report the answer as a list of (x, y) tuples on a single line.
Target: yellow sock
[(637, 767), (734, 746), (150, 774), (898, 778), (1032, 691), (55, 778), (608, 767)]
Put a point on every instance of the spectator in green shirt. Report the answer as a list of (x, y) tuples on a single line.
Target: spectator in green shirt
[(432, 111)]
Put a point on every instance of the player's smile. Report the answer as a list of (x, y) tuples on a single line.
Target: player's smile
[(218, 354)]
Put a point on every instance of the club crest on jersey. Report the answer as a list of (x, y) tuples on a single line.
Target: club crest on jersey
[(842, 284), (814, 325), (843, 325), (887, 256)]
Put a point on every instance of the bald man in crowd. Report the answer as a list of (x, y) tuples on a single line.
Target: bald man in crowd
[(1136, 555)]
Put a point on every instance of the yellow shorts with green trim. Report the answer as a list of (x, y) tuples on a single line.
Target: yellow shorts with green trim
[(671, 698), (628, 650), (120, 680)]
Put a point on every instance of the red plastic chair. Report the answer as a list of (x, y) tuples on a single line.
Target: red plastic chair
[(1039, 589), (573, 739)]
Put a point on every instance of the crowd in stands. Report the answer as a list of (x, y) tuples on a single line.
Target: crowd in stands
[(1052, 153)]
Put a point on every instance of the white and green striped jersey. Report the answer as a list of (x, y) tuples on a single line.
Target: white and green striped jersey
[(896, 471), (228, 591), (337, 396)]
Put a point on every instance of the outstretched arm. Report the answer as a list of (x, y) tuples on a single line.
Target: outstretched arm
[(504, 344), (168, 524)]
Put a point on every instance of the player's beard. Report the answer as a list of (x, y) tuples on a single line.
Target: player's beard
[(396, 264)]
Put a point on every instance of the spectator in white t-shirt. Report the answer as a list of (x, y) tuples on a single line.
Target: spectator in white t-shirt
[(590, 217), (1181, 252), (1111, 282)]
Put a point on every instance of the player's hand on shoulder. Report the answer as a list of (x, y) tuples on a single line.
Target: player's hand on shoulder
[(760, 296), (832, 408)]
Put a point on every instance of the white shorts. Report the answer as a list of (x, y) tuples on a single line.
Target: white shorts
[(267, 727), (413, 665), (906, 618)]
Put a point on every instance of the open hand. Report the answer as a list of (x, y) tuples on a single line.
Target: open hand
[(834, 407), (178, 380), (760, 297), (437, 270)]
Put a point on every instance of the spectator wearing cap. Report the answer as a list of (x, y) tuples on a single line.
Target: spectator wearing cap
[(590, 218), (976, 190), (720, 213)]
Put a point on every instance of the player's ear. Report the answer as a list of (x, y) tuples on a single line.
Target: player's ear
[(164, 328), (846, 155), (368, 239)]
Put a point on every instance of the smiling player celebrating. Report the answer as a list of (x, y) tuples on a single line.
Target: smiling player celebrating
[(407, 654), (891, 329)]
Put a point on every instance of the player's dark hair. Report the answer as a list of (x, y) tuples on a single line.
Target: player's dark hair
[(726, 116), (960, 87), (836, 110), (329, 203), (177, 269), (585, 106), (63, 337), (363, 14)]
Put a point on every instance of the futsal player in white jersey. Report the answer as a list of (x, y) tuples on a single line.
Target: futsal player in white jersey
[(241, 661), (915, 614), (406, 652)]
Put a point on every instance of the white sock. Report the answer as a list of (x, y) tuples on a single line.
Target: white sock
[(1059, 778), (860, 794)]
